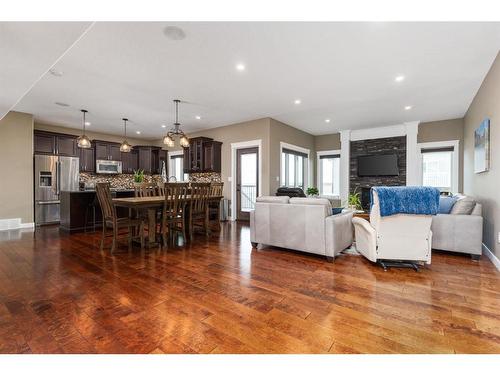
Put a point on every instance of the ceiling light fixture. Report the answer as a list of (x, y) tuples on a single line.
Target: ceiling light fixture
[(168, 140), (83, 141), (87, 123), (327, 120), (297, 101), (164, 126), (399, 78), (137, 132), (408, 107), (198, 117), (240, 67), (125, 146)]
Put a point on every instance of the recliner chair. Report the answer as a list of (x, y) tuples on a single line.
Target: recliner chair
[(399, 237)]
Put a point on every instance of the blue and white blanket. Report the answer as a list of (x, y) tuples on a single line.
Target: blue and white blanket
[(416, 200)]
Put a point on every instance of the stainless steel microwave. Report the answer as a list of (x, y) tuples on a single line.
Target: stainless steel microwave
[(108, 166)]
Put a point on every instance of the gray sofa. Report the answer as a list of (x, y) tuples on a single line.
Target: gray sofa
[(460, 233), (304, 224)]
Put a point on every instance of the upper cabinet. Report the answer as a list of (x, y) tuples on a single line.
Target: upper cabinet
[(150, 158), (87, 159), (130, 161), (107, 151), (54, 144), (202, 155)]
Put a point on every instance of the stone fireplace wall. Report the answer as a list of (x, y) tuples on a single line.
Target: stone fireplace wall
[(378, 146)]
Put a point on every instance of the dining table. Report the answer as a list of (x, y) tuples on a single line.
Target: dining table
[(152, 205)]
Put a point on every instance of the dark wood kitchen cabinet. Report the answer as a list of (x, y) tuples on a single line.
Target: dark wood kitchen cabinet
[(149, 158), (54, 144), (212, 156), (87, 159), (107, 151), (202, 155), (130, 161)]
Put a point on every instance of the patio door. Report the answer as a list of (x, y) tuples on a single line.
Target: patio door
[(247, 181)]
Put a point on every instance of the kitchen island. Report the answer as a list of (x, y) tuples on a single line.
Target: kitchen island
[(79, 209)]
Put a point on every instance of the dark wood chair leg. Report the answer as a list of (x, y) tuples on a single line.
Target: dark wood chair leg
[(115, 236), (103, 234)]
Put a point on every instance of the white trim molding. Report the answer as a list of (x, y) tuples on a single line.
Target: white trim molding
[(345, 156), (318, 168), (309, 169), (492, 257), (232, 178), (456, 160), (9, 224)]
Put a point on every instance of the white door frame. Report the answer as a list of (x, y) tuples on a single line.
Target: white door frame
[(232, 179), (170, 154)]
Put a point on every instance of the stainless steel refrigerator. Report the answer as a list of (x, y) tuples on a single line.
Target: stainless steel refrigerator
[(53, 174)]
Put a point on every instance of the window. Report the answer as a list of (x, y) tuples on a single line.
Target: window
[(293, 168), (177, 168), (329, 175), (438, 168)]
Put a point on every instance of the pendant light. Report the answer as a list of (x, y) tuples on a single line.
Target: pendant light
[(168, 140), (125, 146), (83, 141)]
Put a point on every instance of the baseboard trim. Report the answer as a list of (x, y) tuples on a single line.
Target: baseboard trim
[(492, 257), (10, 224)]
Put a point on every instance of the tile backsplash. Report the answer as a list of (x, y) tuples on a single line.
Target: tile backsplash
[(126, 181)]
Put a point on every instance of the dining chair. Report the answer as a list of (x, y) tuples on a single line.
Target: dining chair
[(147, 189), (216, 189), (110, 218), (174, 210), (198, 209)]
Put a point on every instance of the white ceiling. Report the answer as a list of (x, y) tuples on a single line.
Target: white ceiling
[(27, 51), (341, 71)]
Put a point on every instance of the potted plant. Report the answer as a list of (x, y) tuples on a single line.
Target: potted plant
[(139, 176), (312, 192), (354, 200)]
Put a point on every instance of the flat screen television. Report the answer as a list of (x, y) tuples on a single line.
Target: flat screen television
[(378, 165)]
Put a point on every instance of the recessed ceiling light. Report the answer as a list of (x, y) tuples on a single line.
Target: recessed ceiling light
[(327, 120), (174, 33), (399, 78), (56, 73), (87, 123), (164, 126), (137, 132), (408, 107), (62, 104), (198, 117), (240, 67), (297, 101)]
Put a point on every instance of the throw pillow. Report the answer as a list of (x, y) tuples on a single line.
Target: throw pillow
[(463, 206), (446, 204)]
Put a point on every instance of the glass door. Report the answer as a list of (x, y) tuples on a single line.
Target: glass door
[(247, 184)]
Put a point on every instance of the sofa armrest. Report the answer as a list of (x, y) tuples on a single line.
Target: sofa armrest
[(461, 233), (366, 238), (338, 232)]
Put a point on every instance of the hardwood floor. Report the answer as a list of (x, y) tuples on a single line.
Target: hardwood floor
[(60, 294)]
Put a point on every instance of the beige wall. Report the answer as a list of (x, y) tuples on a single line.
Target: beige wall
[(92, 135), (445, 130), (16, 164), (280, 132), (327, 142), (485, 186)]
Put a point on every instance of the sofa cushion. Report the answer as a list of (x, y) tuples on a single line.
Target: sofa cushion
[(463, 206), (272, 199), (314, 202), (446, 204)]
